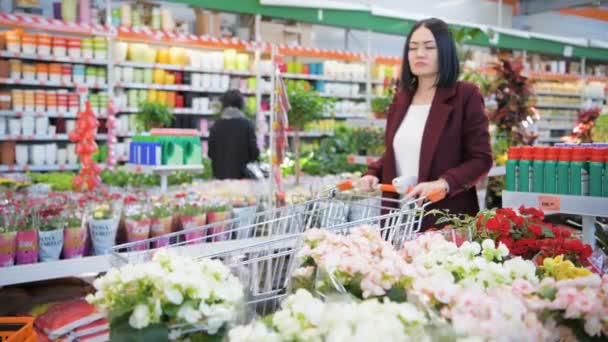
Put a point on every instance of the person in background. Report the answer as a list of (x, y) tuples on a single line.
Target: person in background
[(232, 140), (437, 131)]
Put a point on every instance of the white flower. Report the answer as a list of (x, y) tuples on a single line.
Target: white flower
[(174, 334), (502, 248), (189, 314), (488, 244), (254, 332), (471, 248), (140, 318), (174, 295)]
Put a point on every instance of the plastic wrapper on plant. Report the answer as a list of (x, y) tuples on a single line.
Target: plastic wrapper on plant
[(137, 222), (103, 218)]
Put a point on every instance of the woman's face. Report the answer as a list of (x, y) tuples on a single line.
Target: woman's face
[(422, 54)]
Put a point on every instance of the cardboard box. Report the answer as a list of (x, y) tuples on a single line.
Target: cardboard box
[(207, 22), (298, 34)]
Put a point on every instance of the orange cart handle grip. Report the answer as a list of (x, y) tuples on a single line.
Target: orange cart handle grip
[(349, 185)]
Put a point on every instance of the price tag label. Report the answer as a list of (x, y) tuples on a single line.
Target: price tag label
[(549, 203)]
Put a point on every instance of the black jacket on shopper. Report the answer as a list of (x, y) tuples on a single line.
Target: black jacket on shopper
[(232, 145)]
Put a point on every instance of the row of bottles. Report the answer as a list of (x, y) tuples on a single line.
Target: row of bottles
[(566, 169)]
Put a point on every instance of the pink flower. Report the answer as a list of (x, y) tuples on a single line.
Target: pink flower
[(586, 302), (370, 288), (523, 287), (564, 297), (593, 325)]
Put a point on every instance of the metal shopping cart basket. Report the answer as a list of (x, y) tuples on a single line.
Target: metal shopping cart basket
[(263, 254)]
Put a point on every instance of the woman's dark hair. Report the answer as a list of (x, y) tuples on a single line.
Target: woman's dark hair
[(232, 98), (449, 66)]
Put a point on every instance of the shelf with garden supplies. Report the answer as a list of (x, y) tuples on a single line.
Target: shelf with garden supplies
[(586, 206), (178, 87), (178, 67), (345, 96), (52, 84), (312, 77), (26, 168), (558, 106), (366, 122), (49, 58), (20, 113), (175, 111), (37, 137)]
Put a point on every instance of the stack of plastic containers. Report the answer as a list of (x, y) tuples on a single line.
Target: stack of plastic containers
[(579, 170)]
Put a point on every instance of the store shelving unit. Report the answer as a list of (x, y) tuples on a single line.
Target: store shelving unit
[(164, 171), (587, 207), (18, 114), (56, 137), (36, 168)]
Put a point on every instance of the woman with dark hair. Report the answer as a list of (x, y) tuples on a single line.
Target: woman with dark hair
[(232, 140), (437, 131)]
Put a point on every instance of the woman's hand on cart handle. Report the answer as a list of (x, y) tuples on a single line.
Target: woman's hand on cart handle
[(433, 191), (367, 183)]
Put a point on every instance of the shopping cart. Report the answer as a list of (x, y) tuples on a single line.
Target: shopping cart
[(263, 254)]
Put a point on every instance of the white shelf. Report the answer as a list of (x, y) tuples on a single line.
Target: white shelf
[(52, 84), (568, 118), (175, 111), (558, 106), (66, 59), (56, 137), (586, 206), (347, 116), (174, 67), (321, 78), (38, 168), (353, 97), (497, 171), (15, 113), (178, 87), (379, 123), (555, 93)]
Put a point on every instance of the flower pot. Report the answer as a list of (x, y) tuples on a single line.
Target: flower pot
[(38, 156), (160, 227), (7, 152), (246, 218), (27, 125), (14, 126), (138, 231), (8, 246), (21, 154), (51, 154), (217, 232), (27, 247), (192, 225), (50, 243), (62, 156), (74, 242), (42, 126), (103, 235)]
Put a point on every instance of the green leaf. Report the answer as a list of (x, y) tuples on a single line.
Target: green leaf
[(397, 294), (547, 233), (548, 293), (121, 331)]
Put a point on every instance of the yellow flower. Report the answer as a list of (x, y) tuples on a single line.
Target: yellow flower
[(560, 269)]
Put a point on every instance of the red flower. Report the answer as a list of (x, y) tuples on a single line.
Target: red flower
[(535, 214), (561, 232), (586, 253), (130, 199), (180, 195), (493, 224), (574, 245), (507, 242), (536, 230)]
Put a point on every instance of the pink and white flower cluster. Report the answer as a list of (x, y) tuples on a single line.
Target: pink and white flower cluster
[(363, 257)]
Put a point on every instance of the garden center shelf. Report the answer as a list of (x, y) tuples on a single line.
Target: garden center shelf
[(175, 111), (557, 106), (175, 67), (553, 93), (92, 265), (344, 96), (56, 137), (52, 84), (379, 123), (38, 57), (177, 87), (15, 113), (164, 171), (26, 168), (586, 206)]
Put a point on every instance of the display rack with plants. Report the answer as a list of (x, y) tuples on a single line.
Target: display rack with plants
[(153, 115)]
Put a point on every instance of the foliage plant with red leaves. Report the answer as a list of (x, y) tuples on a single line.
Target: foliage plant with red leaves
[(514, 102), (585, 121), (524, 232)]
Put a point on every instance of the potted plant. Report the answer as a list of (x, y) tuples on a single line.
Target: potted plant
[(103, 225), (75, 233), (218, 212), (161, 217), (50, 235), (306, 106), (380, 106), (8, 240), (153, 115), (192, 217), (137, 223), (27, 237)]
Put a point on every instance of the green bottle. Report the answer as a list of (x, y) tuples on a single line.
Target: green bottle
[(512, 168), (579, 171), (538, 169), (525, 169), (596, 171), (563, 170), (551, 158)]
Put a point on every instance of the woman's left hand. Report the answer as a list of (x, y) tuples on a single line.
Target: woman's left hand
[(433, 191)]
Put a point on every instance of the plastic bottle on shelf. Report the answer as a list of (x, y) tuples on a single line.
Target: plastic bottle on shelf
[(538, 169), (563, 170), (525, 169), (551, 158), (596, 170), (579, 171), (512, 168)]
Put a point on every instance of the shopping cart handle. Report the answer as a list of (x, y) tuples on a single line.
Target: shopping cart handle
[(349, 185), (436, 196)]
